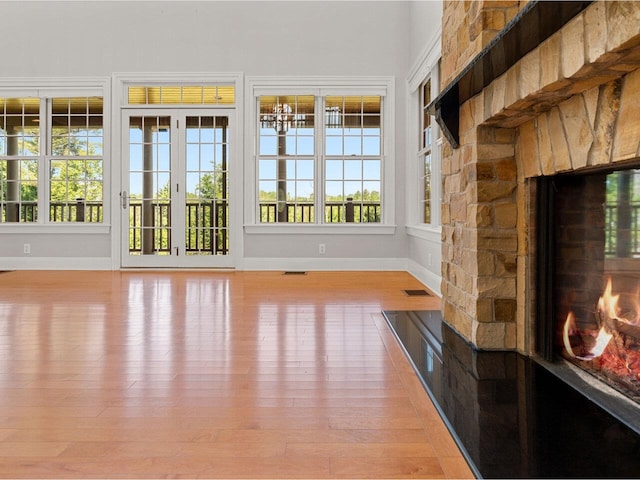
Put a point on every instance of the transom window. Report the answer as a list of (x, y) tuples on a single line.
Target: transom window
[(181, 95), (62, 136), (320, 168)]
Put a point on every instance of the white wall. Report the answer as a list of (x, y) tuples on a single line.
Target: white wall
[(424, 243), (96, 38), (425, 18), (257, 38)]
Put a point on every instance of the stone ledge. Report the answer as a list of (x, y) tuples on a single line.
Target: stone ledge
[(581, 131), (575, 59)]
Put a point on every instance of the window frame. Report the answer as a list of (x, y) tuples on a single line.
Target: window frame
[(48, 88), (321, 87), (426, 69), (433, 149), (295, 157), (52, 157)]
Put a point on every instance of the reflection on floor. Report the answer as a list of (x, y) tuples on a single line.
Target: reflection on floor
[(213, 374), (512, 417)]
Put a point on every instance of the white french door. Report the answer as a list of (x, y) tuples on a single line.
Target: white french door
[(175, 188)]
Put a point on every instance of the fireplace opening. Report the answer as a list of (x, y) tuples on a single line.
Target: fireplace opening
[(588, 251)]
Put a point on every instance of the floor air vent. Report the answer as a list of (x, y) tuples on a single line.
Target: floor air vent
[(416, 293), (294, 273)]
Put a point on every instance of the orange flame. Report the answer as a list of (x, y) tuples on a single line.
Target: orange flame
[(569, 323), (636, 306), (608, 308), (602, 340), (608, 304)]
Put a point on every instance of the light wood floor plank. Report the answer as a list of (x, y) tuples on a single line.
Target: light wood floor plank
[(200, 374)]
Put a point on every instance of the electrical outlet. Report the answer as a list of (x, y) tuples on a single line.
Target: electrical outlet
[(322, 249), (27, 249)]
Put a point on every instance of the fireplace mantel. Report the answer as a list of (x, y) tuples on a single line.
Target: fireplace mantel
[(536, 22)]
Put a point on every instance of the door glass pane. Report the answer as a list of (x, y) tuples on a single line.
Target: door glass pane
[(207, 207), (149, 186)]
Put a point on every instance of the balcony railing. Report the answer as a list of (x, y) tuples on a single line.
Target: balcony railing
[(622, 241), (206, 222), (79, 211), (334, 212), (206, 227)]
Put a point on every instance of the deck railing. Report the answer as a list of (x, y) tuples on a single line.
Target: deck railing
[(78, 211), (203, 215), (334, 212), (206, 222), (615, 234), (206, 227)]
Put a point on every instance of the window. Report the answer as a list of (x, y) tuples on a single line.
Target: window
[(75, 161), (19, 151), (353, 161), (51, 159), (426, 183), (320, 158), (426, 153), (286, 165)]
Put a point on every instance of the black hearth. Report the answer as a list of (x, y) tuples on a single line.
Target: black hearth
[(511, 416)]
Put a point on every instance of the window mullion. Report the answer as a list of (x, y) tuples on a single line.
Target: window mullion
[(384, 203), (255, 115), (44, 160), (45, 125), (320, 159)]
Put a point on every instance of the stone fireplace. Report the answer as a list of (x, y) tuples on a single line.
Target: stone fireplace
[(570, 105)]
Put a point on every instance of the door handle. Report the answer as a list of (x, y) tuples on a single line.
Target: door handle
[(124, 199)]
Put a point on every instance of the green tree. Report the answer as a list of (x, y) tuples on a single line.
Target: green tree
[(74, 177), (210, 186)]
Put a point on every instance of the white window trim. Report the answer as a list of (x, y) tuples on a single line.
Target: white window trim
[(65, 87), (425, 68), (321, 86), (426, 61)]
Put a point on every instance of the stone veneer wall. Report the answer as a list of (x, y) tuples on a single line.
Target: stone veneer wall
[(571, 103), (468, 26)]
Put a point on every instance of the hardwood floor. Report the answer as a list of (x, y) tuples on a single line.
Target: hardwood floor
[(213, 375)]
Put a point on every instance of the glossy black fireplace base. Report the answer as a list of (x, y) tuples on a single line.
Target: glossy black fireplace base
[(512, 417)]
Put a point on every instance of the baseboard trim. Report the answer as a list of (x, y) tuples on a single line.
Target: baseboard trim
[(429, 278), (57, 263), (328, 264)]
